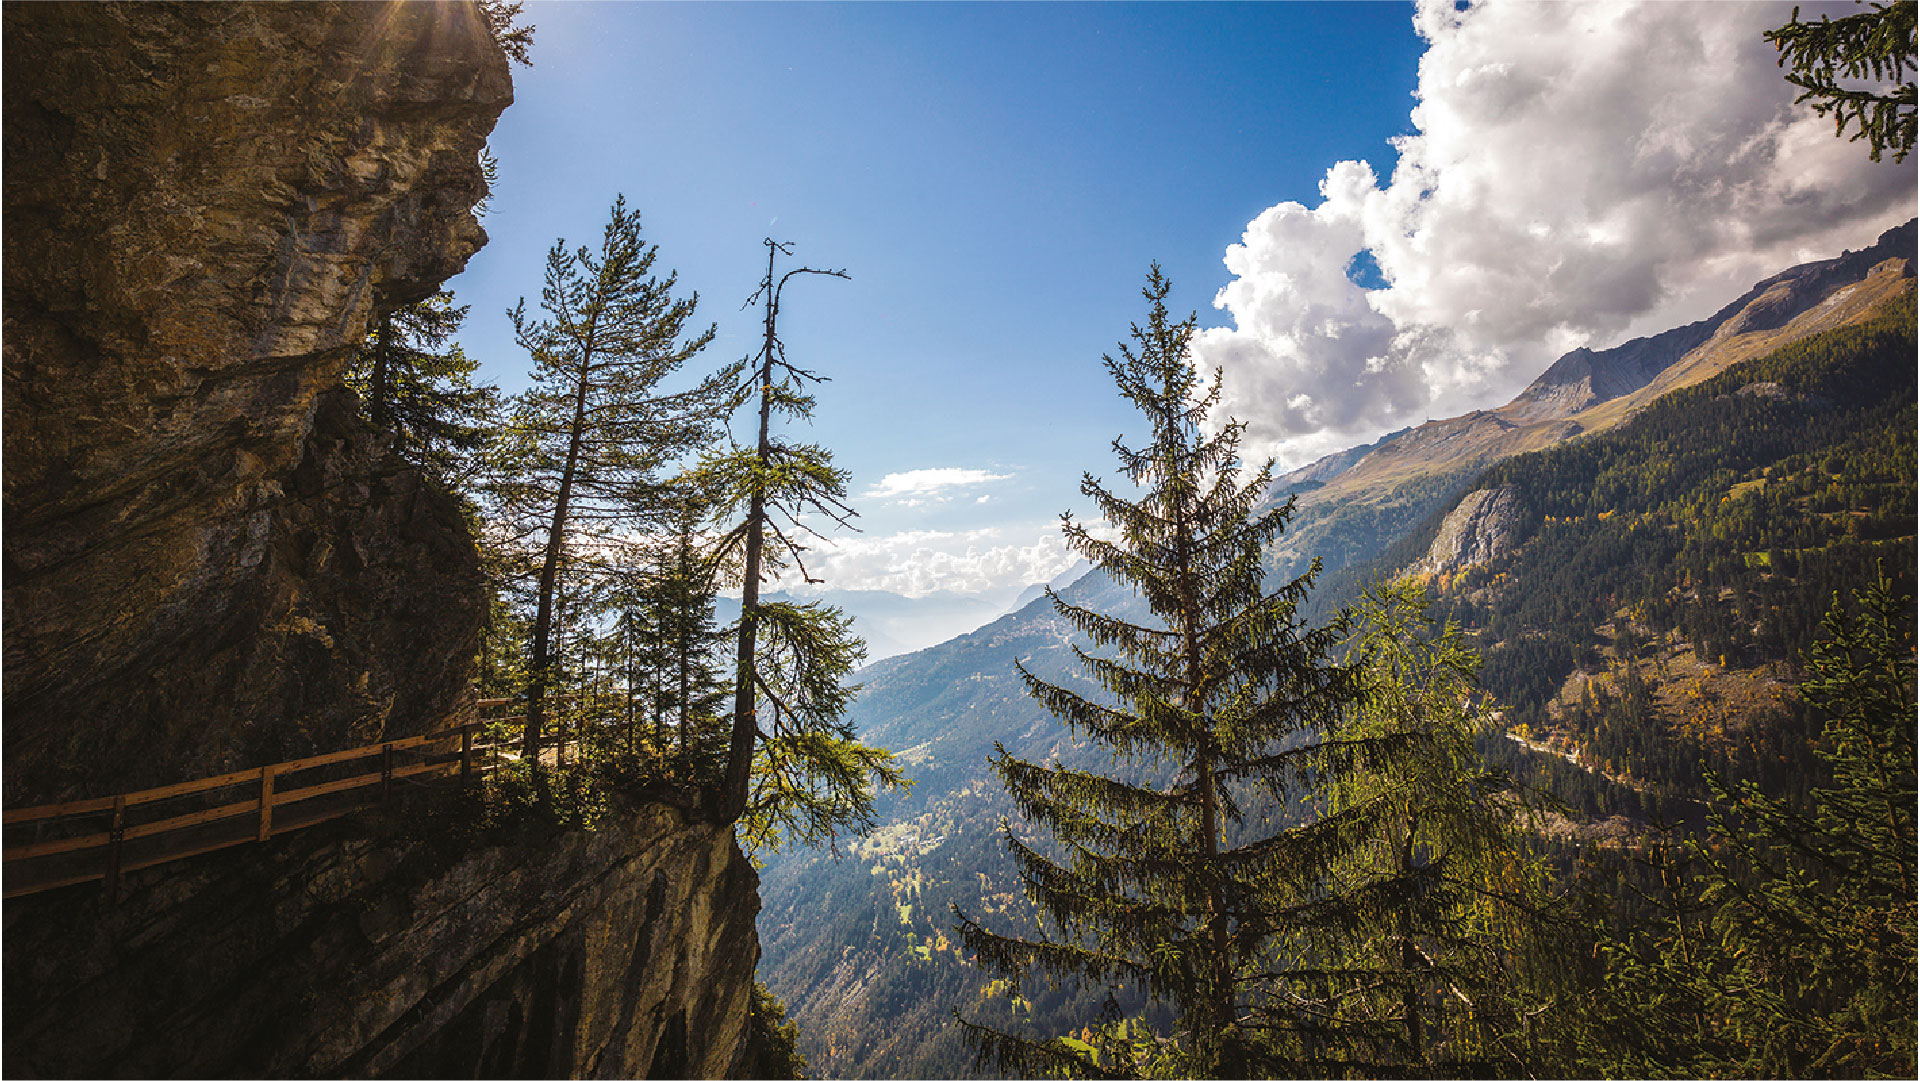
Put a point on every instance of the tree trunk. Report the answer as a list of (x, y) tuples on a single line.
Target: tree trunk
[(627, 683), (1219, 991), (550, 569), (745, 729)]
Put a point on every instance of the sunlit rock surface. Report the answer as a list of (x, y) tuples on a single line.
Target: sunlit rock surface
[(209, 563)]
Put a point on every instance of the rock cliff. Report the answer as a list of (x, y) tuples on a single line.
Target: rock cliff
[(211, 564), (1478, 528), (208, 564), (627, 951)]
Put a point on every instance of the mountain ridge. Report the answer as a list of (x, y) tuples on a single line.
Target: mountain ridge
[(1572, 395)]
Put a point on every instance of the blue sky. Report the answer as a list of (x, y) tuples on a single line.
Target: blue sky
[(996, 178)]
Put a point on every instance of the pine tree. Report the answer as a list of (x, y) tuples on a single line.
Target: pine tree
[(640, 660), (1817, 901), (418, 387), (1224, 687), (1783, 942), (588, 441), (503, 23), (770, 1050), (801, 774)]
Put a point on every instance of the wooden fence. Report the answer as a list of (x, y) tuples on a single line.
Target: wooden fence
[(63, 844)]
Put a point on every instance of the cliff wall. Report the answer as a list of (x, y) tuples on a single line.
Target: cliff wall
[(211, 564), (208, 564), (366, 950)]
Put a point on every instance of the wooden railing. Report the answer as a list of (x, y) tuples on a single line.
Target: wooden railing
[(105, 837)]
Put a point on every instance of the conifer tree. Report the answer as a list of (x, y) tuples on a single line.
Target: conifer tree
[(1783, 944), (1844, 66), (814, 777), (641, 658), (588, 441), (416, 385), (1224, 687), (1817, 901), (680, 604)]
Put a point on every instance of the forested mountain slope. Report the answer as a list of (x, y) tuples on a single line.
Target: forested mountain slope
[(1353, 504), (860, 948), (1644, 597)]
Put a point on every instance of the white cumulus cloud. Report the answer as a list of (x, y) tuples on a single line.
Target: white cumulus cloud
[(1581, 173), (919, 483)]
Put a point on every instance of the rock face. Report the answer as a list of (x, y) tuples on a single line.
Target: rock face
[(1478, 528), (627, 951), (209, 565)]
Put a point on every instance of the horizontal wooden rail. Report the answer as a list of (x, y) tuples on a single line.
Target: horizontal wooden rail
[(58, 810), (223, 780), (276, 806), (451, 752)]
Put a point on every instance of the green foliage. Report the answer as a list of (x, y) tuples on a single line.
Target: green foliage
[(1672, 519), (1816, 903), (503, 23), (1876, 46), (1441, 951), (675, 621), (801, 775), (1826, 475), (418, 386), (1222, 686), (1784, 941), (580, 466), (812, 779), (770, 1051)]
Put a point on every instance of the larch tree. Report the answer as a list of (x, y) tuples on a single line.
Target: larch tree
[(588, 443), (1223, 688), (1442, 920), (801, 774)]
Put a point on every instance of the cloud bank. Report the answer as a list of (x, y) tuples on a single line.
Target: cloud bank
[(918, 562), (1581, 173)]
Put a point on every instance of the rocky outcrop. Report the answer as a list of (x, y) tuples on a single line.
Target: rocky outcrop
[(209, 565), (625, 951), (1477, 529)]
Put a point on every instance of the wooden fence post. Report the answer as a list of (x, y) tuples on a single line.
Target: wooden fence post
[(266, 803), (466, 751), (386, 770), (116, 836)]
